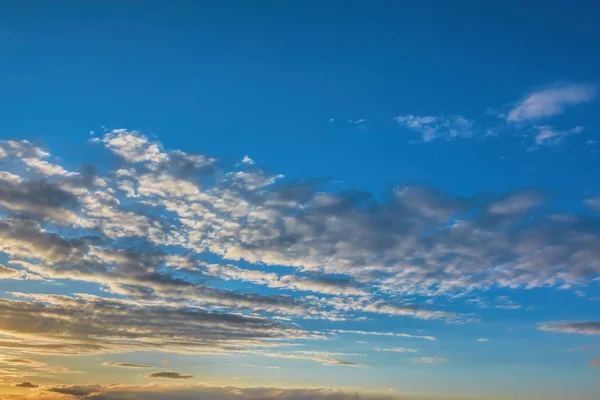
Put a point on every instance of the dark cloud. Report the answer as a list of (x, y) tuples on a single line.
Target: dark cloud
[(169, 375), (585, 328), (89, 324), (81, 391), (218, 393), (38, 199), (126, 365), (26, 385)]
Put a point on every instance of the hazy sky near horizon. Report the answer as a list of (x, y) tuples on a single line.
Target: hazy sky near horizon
[(299, 200)]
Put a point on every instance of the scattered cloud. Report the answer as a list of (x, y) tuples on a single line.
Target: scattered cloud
[(319, 254), (483, 340), (521, 120), (437, 127)]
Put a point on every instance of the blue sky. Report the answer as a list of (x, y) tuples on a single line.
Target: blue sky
[(388, 197)]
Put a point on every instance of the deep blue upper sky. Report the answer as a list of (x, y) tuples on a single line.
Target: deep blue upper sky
[(265, 79)]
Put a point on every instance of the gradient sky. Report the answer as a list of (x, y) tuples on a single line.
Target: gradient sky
[(294, 200)]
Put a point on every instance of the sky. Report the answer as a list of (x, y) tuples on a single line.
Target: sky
[(299, 200)]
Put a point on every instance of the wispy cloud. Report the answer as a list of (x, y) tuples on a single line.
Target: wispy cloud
[(551, 101), (585, 328), (549, 136), (393, 334), (431, 360)]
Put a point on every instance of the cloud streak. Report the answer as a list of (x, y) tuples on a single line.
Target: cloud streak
[(169, 375), (584, 328)]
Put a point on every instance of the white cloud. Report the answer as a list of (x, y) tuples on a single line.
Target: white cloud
[(247, 160), (44, 167), (551, 101), (483, 340), (133, 147)]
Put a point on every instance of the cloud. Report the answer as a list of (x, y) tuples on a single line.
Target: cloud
[(169, 375), (26, 385), (133, 147), (61, 325), (393, 334), (585, 328), (44, 167), (593, 203), (318, 284), (320, 253), (398, 350), (594, 363), (548, 136), (516, 203), (22, 361), (190, 392), (322, 357), (126, 365), (483, 340), (551, 101), (438, 127), (6, 273), (82, 391), (39, 199), (431, 360)]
